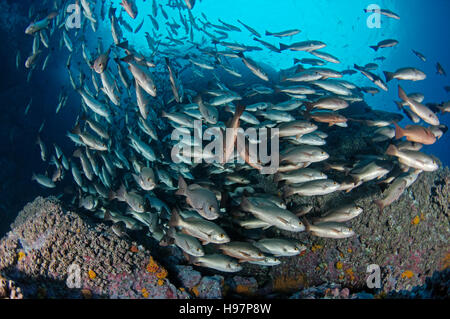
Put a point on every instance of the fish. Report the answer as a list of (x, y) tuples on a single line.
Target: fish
[(201, 199), (272, 214), (242, 251), (330, 230), (384, 12), (300, 176), (421, 110), (371, 171), (43, 148), (253, 31), (217, 261), (253, 67), (282, 34), (41, 24), (307, 46), (414, 159), (325, 56), (90, 140), (415, 133), (279, 247), (327, 103), (339, 215), (133, 199), (190, 4), (410, 74), (312, 188), (190, 245), (420, 55), (395, 190), (206, 231), (142, 77), (146, 179), (130, 8), (43, 180), (440, 70), (101, 62), (231, 139), (384, 44), (303, 154)]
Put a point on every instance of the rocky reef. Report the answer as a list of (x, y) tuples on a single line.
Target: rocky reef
[(48, 245)]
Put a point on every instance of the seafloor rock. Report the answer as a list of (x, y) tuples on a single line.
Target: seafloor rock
[(210, 287), (54, 253)]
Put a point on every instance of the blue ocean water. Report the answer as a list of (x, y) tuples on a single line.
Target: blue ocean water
[(342, 25)]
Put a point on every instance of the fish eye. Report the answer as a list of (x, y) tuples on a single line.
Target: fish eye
[(222, 235)]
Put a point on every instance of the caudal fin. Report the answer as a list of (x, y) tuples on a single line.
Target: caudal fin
[(239, 110), (182, 186), (388, 75), (392, 150), (402, 94), (175, 219), (77, 153), (374, 47), (399, 132), (283, 47), (76, 130), (268, 33), (309, 106)]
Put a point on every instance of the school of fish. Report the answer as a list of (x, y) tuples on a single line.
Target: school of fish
[(121, 169)]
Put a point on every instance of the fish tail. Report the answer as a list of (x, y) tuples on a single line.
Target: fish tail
[(77, 153), (283, 47), (168, 238), (239, 110), (401, 94), (374, 47), (182, 186), (296, 61), (175, 219), (299, 69), (355, 178), (107, 216), (309, 106), (33, 177), (163, 114), (245, 203), (128, 58), (392, 150), (388, 75), (76, 130), (307, 224), (121, 193), (399, 132), (268, 33)]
